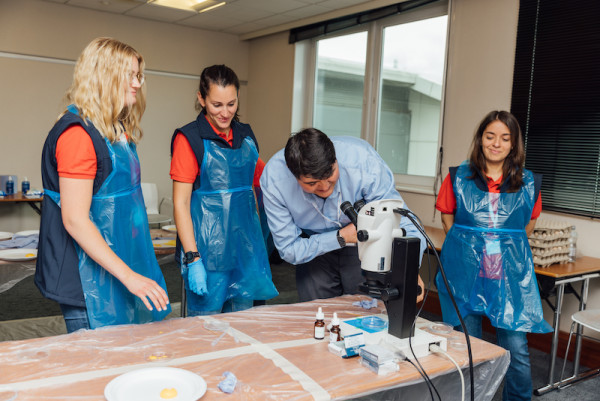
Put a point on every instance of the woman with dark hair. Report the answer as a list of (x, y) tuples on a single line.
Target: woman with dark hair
[(215, 168), (489, 204)]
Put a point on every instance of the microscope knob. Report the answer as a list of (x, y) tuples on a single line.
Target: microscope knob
[(389, 294), (362, 235)]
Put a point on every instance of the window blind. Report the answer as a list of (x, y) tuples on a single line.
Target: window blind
[(556, 98), (349, 21)]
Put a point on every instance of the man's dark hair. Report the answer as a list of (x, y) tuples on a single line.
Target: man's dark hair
[(310, 153)]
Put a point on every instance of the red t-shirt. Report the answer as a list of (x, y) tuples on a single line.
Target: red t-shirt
[(184, 166), (446, 201), (75, 154)]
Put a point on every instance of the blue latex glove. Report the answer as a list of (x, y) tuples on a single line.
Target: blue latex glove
[(366, 304), (228, 384), (197, 277)]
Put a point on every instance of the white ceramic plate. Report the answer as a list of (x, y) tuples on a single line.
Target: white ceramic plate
[(148, 383), (18, 254), (26, 233), (164, 243), (4, 235), (171, 228)]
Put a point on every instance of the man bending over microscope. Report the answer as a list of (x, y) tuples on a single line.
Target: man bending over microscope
[(303, 188)]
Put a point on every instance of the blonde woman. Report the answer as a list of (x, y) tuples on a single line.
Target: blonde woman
[(95, 255)]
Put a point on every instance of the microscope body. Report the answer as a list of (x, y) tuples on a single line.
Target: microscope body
[(389, 262)]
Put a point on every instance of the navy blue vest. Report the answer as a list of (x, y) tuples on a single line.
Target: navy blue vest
[(57, 267), (198, 130)]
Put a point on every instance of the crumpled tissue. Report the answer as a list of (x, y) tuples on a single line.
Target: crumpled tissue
[(19, 241), (228, 384), (366, 304)]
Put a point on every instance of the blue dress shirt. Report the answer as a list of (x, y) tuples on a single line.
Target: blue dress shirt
[(290, 210)]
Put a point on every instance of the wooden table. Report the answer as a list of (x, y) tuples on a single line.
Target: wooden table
[(437, 236), (18, 197), (552, 277), (163, 234), (13, 272), (270, 349), (559, 276)]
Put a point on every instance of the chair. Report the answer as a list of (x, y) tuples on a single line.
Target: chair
[(150, 193), (589, 318)]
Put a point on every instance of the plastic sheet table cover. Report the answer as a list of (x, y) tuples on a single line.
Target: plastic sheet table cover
[(11, 273), (270, 349)]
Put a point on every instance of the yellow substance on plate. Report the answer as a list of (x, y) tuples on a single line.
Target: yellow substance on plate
[(30, 255), (156, 357), (168, 393)]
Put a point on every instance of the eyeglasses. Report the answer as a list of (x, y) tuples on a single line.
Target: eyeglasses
[(139, 76)]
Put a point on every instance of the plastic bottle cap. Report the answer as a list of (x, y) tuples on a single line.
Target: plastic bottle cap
[(320, 314), (10, 178), (335, 321)]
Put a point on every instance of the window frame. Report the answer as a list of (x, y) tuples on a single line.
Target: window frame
[(305, 76)]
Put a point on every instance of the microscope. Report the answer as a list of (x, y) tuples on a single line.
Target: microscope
[(389, 260), (390, 264)]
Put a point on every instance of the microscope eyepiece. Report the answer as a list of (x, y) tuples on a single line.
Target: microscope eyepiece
[(347, 208), (359, 205)]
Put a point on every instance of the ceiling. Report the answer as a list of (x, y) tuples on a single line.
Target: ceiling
[(246, 18)]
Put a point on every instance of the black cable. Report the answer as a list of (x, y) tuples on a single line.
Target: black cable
[(425, 379), (423, 376), (414, 323), (424, 373), (417, 223)]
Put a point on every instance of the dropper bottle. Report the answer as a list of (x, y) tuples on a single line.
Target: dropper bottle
[(320, 325), (335, 332)]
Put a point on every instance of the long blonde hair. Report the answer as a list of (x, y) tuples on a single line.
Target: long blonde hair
[(101, 77)]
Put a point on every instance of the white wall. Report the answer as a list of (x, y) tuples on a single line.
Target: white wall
[(270, 88), (479, 79), (31, 92)]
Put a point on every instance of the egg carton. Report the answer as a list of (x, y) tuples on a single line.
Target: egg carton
[(547, 261), (552, 225), (540, 243), (542, 252), (550, 235)]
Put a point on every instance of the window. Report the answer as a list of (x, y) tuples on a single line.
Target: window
[(411, 93), (555, 98), (381, 81), (339, 84)]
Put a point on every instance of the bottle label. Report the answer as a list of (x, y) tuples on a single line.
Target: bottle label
[(333, 336), (319, 332)]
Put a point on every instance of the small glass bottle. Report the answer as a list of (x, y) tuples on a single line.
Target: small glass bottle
[(320, 325), (25, 186), (572, 244), (335, 334), (10, 186)]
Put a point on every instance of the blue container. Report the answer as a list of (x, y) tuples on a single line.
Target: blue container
[(10, 186), (25, 186)]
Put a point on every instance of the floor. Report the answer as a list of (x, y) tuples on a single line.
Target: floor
[(24, 313)]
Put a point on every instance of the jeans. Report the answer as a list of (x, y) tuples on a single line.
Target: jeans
[(231, 305), (517, 382), (76, 317)]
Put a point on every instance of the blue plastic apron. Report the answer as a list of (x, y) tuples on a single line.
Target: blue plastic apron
[(227, 229), (118, 211), (487, 258)]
